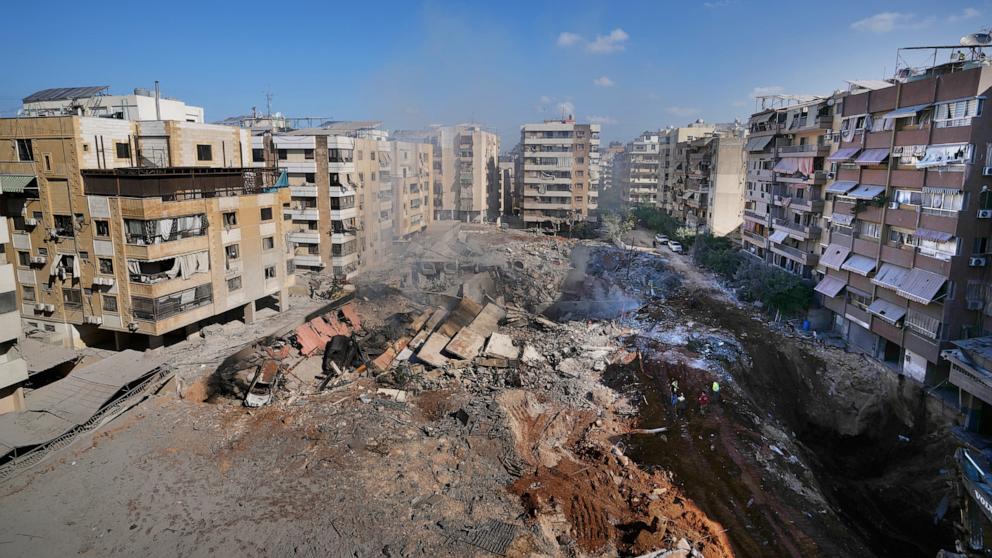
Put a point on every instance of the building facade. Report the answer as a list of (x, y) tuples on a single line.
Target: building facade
[(559, 172), (668, 140), (708, 182), (13, 368), (636, 169), (142, 104), (126, 233)]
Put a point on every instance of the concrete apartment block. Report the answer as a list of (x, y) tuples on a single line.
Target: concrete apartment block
[(559, 172)]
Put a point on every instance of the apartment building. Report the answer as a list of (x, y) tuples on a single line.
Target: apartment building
[(610, 159), (13, 368), (132, 233), (904, 267), (142, 104), (708, 182), (507, 186), (637, 170), (322, 216), (668, 140), (559, 171), (466, 181), (407, 168), (787, 167)]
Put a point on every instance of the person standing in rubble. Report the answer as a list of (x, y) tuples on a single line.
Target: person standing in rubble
[(715, 388), (704, 401), (680, 405)]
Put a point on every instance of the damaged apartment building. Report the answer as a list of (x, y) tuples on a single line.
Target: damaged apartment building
[(636, 168), (559, 172), (131, 233), (466, 183), (880, 195), (353, 192), (708, 181)]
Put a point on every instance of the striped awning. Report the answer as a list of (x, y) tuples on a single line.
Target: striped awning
[(872, 157), (886, 310), (834, 256), (840, 186), (866, 192), (16, 183), (842, 218), (843, 154), (758, 143), (921, 285), (862, 265), (936, 236), (906, 112), (830, 286), (890, 276)]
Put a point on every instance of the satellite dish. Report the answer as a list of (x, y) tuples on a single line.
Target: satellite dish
[(977, 39)]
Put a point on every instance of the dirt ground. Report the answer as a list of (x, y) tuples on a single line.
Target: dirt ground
[(547, 458)]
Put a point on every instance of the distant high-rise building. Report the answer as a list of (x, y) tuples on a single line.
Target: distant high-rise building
[(559, 171), (636, 170)]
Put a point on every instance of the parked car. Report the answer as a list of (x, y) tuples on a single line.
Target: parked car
[(660, 240), (675, 247)]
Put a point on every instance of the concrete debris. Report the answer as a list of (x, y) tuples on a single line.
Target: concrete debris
[(501, 346)]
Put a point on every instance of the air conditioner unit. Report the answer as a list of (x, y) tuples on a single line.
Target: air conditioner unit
[(897, 150), (985, 213), (92, 319), (987, 171), (976, 261), (975, 304), (49, 308), (893, 205), (39, 260), (30, 222), (40, 307)]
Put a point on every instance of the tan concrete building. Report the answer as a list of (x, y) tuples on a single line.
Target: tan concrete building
[(465, 171), (668, 140), (559, 171), (708, 193), (407, 167), (636, 169), (13, 368), (131, 232)]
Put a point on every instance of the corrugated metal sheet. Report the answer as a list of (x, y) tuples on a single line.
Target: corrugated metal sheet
[(906, 112), (872, 156), (15, 183), (921, 285), (866, 192), (840, 186), (758, 144), (844, 154)]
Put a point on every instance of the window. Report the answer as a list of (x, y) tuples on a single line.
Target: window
[(23, 258), (283, 154), (310, 178), (109, 303), (372, 155), (48, 161), (84, 255), (268, 243), (204, 152), (981, 245), (231, 252), (123, 149), (957, 113), (270, 272), (72, 298), (308, 154), (230, 219), (106, 266), (24, 151), (102, 228), (266, 213), (63, 225), (868, 229), (258, 155), (28, 294), (234, 283)]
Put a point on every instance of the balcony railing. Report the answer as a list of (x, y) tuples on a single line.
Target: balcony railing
[(811, 148), (178, 183), (806, 230), (156, 309)]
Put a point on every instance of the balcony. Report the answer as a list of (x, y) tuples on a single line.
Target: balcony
[(303, 214), (308, 260), (344, 259), (812, 149), (343, 214), (158, 309), (178, 183), (818, 177), (304, 191), (755, 238), (755, 216), (795, 254), (807, 232), (304, 237), (799, 204), (342, 237)]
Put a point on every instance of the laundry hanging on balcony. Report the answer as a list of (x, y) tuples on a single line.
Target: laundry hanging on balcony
[(947, 154), (793, 165)]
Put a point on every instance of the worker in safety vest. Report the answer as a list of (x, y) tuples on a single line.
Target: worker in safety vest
[(716, 391)]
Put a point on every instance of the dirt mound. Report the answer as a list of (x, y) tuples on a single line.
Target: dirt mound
[(581, 488)]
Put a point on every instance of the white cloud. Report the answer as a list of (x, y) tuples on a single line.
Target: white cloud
[(967, 13), (603, 81), (609, 43), (766, 90), (545, 100), (601, 45), (885, 22), (682, 111), (567, 39), (601, 119), (718, 4)]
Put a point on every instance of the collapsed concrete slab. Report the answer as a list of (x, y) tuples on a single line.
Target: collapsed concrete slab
[(501, 346), (466, 344), (431, 351)]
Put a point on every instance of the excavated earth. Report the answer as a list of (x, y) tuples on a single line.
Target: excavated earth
[(804, 456)]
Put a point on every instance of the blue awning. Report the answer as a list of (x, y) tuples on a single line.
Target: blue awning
[(906, 112)]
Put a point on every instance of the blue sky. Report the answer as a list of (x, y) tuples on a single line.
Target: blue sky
[(632, 66)]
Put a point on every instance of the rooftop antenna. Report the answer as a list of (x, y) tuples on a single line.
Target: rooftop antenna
[(268, 102)]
